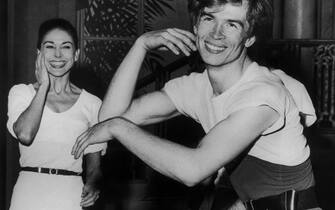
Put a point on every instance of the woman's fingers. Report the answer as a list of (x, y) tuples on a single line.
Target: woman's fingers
[(89, 199)]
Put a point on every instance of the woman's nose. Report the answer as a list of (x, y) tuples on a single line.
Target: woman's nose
[(58, 53)]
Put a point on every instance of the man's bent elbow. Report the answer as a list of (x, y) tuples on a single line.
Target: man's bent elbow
[(190, 178)]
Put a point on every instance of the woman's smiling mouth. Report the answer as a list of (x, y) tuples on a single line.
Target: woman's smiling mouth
[(57, 64)]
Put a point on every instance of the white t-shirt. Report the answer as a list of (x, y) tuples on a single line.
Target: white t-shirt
[(282, 143), (57, 133)]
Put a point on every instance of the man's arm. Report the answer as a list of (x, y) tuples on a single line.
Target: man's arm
[(187, 165), (118, 99)]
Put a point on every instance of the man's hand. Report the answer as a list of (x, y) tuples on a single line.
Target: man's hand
[(98, 133), (89, 195), (174, 39)]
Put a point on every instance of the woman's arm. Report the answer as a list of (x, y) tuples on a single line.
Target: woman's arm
[(118, 98), (93, 176), (27, 124)]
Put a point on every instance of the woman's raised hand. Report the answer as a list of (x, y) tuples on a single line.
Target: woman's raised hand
[(174, 39), (41, 72)]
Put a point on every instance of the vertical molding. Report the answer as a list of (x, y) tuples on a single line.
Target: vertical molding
[(299, 19), (3, 101), (326, 21), (140, 17), (277, 19)]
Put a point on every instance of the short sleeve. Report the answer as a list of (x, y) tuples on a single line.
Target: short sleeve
[(94, 104), (19, 98), (184, 92), (273, 96), (300, 96)]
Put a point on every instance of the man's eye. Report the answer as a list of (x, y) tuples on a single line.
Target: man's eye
[(66, 47), (207, 18), (49, 47), (232, 25)]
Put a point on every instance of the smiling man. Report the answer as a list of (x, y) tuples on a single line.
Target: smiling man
[(241, 105)]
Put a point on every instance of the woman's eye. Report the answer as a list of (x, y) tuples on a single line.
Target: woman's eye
[(66, 47), (49, 47)]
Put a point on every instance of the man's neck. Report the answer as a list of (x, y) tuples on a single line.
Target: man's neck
[(223, 77)]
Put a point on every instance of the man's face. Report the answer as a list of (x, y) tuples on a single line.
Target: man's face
[(222, 33)]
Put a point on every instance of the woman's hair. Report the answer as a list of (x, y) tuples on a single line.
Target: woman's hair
[(259, 14), (57, 23)]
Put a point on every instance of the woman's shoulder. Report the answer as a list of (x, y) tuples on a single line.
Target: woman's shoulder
[(89, 97), (22, 88)]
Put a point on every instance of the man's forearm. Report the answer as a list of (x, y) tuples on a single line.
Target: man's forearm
[(168, 158), (120, 91)]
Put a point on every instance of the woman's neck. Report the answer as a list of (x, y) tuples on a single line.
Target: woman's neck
[(59, 85)]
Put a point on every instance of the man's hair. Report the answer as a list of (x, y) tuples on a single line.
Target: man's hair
[(57, 23), (259, 14)]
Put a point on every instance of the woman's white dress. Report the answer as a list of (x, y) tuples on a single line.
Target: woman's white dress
[(51, 148)]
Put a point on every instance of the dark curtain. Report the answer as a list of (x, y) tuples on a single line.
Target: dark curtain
[(3, 88)]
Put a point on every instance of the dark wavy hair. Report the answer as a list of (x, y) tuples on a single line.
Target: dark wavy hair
[(259, 14), (57, 23)]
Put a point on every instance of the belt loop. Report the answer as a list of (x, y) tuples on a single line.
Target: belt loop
[(39, 169), (252, 205), (292, 199)]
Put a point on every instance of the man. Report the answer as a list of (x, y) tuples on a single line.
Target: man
[(239, 104)]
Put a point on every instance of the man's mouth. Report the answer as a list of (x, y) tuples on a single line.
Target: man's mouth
[(214, 48)]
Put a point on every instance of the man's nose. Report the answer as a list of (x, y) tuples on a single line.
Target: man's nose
[(218, 31)]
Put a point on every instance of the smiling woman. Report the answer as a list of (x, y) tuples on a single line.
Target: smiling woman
[(46, 118)]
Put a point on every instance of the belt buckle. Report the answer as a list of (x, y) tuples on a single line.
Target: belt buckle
[(53, 171)]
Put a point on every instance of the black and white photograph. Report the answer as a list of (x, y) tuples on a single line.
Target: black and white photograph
[(167, 105)]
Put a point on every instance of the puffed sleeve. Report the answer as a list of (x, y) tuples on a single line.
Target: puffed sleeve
[(19, 98), (94, 106), (262, 94)]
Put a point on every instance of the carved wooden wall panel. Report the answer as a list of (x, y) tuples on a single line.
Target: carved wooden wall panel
[(325, 84)]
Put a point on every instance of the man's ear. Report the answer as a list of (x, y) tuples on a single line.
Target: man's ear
[(76, 55), (195, 29), (250, 41)]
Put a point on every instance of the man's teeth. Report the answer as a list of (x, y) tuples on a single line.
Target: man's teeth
[(213, 47)]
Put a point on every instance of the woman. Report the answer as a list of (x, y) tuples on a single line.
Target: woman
[(46, 118)]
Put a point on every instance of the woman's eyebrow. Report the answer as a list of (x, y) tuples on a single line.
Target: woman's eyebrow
[(51, 42)]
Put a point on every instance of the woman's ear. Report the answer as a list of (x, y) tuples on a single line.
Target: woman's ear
[(38, 51), (76, 55)]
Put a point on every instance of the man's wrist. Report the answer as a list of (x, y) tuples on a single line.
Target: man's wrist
[(139, 43), (116, 126)]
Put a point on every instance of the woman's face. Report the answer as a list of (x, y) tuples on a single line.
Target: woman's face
[(59, 51)]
